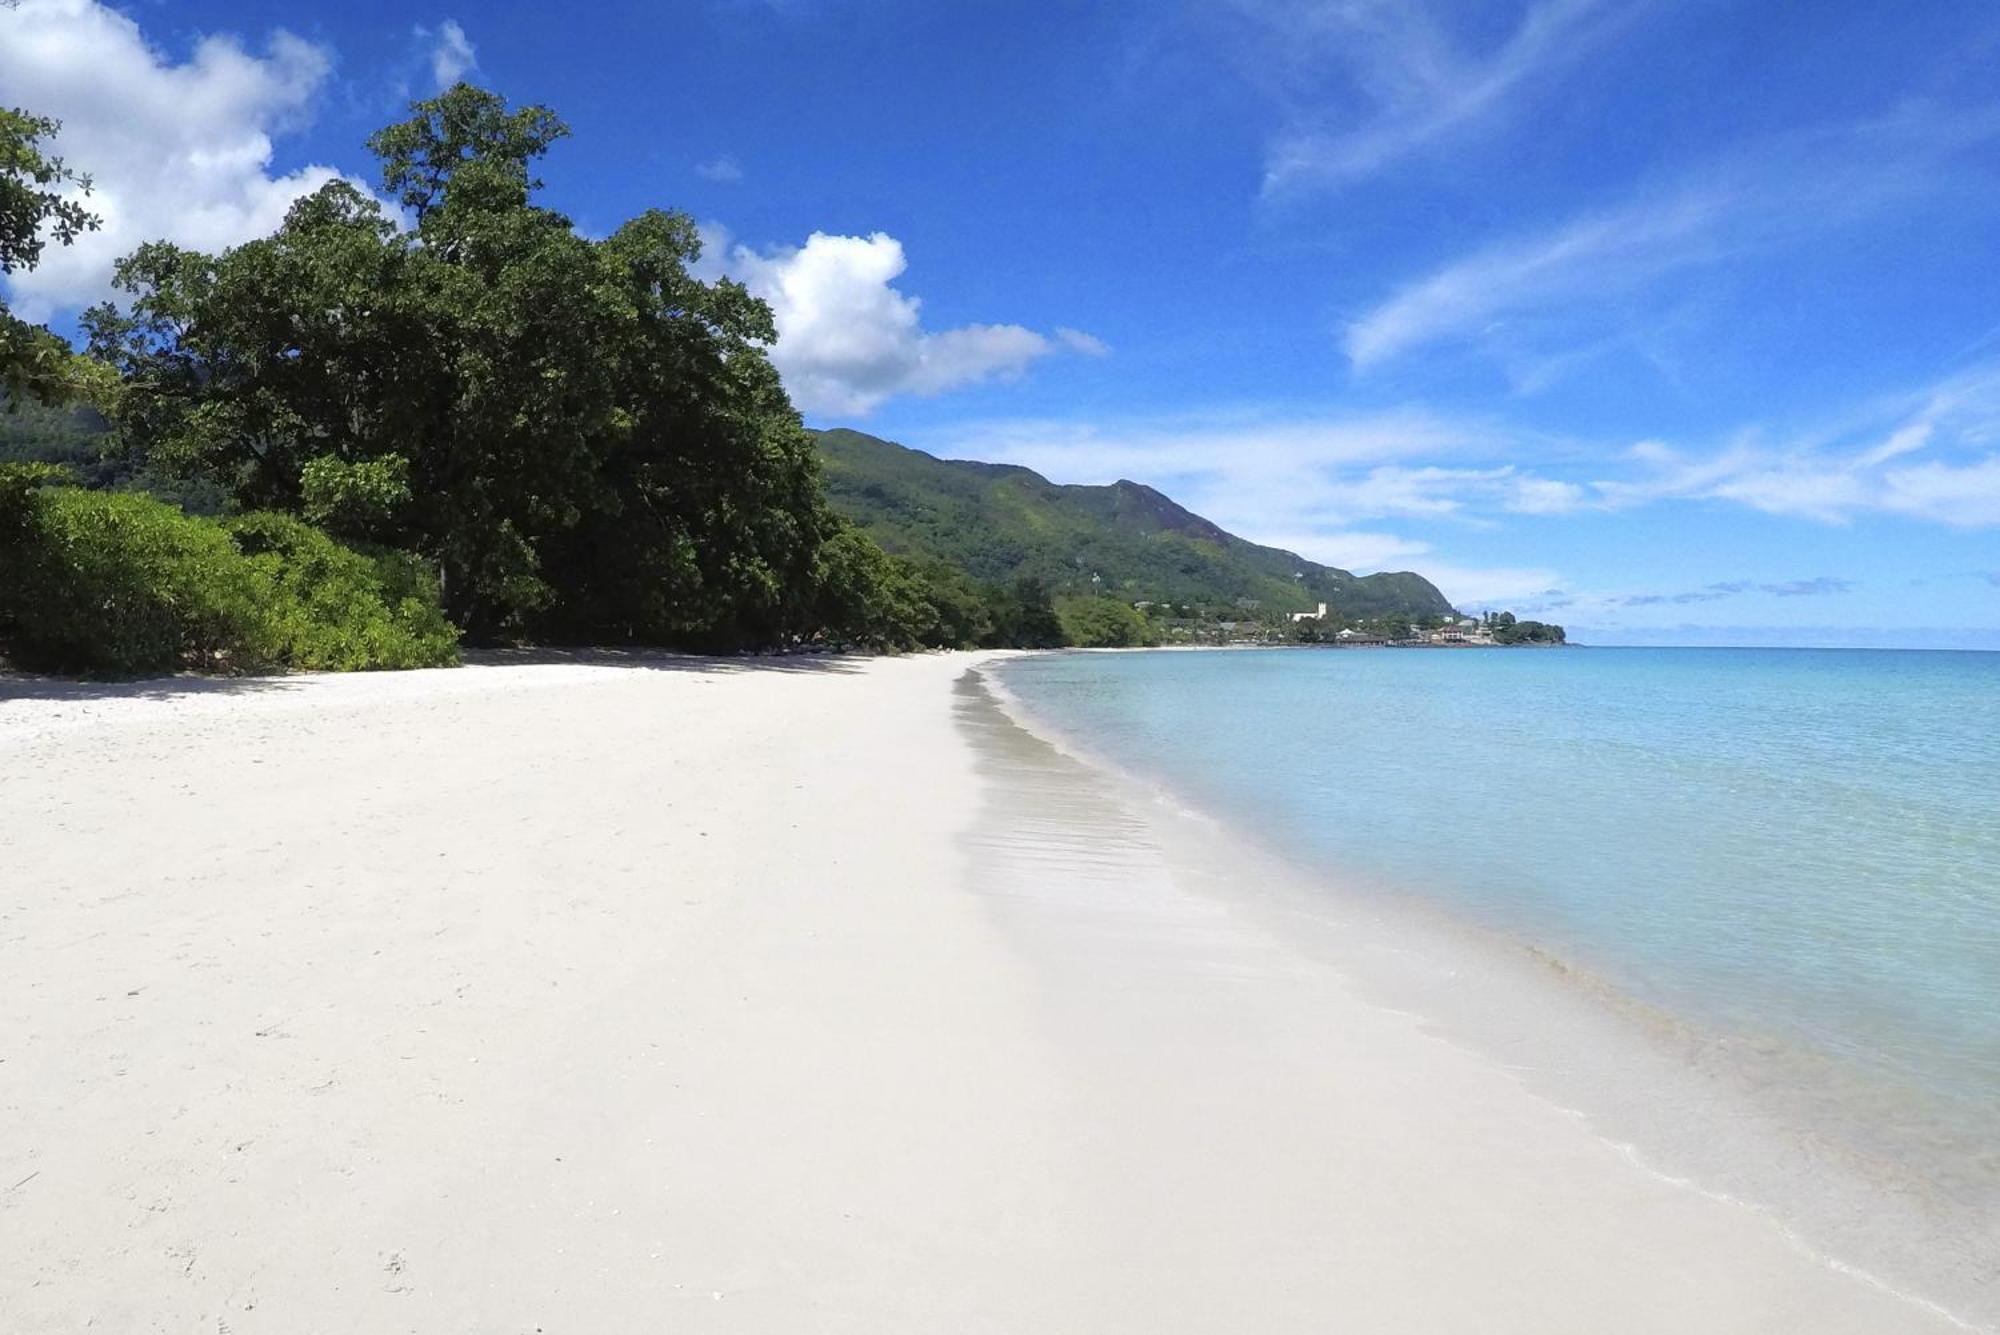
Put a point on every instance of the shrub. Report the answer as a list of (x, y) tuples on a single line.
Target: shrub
[(338, 609), (120, 584)]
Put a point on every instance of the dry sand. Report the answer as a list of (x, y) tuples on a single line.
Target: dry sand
[(683, 996)]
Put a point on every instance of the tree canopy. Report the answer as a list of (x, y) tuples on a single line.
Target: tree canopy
[(589, 440)]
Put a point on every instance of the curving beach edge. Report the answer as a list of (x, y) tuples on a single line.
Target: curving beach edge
[(740, 995)]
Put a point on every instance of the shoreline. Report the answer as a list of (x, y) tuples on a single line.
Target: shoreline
[(742, 996), (1647, 1080)]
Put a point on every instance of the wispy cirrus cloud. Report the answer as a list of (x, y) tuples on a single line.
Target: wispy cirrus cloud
[(1356, 488), (1931, 454), (1590, 259), (1277, 443), (1467, 585), (1368, 490), (1477, 587), (1928, 455), (1351, 549), (1560, 288), (1815, 587), (1370, 82)]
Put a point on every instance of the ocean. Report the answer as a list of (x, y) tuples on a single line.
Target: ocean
[(1781, 866)]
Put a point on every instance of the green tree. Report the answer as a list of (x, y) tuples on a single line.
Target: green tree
[(1023, 617), (952, 612), (1529, 632), (34, 209), (1104, 623), (864, 597), (587, 440)]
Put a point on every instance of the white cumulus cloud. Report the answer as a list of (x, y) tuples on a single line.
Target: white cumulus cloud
[(176, 151), (848, 339)]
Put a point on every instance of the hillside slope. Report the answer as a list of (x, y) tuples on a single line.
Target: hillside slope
[(998, 521)]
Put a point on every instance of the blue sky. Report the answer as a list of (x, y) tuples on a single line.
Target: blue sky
[(1676, 322)]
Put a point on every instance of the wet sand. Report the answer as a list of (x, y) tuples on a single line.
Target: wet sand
[(737, 996)]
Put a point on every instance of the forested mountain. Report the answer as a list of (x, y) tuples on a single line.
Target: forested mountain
[(77, 437), (1000, 521), (71, 435)]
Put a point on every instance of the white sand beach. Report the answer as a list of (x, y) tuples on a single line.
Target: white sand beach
[(693, 996)]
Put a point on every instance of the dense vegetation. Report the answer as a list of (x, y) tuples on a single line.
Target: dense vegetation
[(894, 602), (577, 439), (380, 428), (1128, 541), (1104, 623), (1512, 631), (124, 583)]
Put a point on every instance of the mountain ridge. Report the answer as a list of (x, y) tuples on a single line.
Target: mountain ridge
[(1005, 521)]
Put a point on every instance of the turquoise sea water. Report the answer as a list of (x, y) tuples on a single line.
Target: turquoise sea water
[(1796, 853)]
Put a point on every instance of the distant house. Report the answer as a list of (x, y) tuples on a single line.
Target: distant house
[(1351, 636), (1310, 616)]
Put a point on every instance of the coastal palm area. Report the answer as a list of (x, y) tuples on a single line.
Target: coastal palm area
[(546, 781)]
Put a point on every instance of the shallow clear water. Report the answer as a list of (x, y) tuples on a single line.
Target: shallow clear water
[(1794, 852)]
